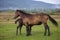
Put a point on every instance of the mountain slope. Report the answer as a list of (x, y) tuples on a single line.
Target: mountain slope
[(24, 4)]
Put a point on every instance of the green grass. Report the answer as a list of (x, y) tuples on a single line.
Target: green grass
[(8, 32)]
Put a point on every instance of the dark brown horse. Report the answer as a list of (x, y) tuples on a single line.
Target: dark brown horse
[(20, 21), (34, 19), (19, 25)]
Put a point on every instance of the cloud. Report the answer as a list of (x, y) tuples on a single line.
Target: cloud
[(50, 1)]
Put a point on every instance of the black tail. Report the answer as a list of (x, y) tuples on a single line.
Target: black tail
[(52, 20)]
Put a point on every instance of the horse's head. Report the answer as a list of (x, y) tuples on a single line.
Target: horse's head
[(17, 14)]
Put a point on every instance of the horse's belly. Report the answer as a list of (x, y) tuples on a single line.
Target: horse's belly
[(33, 20)]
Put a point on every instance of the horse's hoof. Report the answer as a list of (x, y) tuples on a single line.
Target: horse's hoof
[(28, 35), (49, 35), (44, 35)]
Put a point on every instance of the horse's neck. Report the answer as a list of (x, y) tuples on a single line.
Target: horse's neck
[(22, 16)]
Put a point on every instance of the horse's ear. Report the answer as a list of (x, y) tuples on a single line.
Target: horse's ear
[(17, 10)]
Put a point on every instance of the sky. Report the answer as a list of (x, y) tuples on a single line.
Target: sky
[(50, 1)]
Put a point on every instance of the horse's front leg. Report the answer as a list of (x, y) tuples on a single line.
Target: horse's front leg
[(20, 28), (27, 30), (30, 28), (17, 30), (48, 30)]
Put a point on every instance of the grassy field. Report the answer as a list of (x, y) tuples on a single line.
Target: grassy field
[(8, 29)]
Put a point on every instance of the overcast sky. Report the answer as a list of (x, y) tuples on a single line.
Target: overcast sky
[(50, 1)]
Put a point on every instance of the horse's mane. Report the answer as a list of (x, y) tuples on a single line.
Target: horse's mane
[(28, 14), (23, 12)]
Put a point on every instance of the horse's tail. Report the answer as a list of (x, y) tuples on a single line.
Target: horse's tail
[(52, 20), (17, 21)]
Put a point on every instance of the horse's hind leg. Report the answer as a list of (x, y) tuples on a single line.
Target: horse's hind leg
[(20, 28), (30, 28), (46, 28), (17, 30)]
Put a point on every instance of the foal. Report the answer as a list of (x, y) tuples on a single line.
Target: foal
[(19, 25)]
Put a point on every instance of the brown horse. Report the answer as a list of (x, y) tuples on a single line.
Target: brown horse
[(35, 19), (19, 25)]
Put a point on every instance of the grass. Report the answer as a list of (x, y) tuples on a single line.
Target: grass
[(8, 29), (8, 32)]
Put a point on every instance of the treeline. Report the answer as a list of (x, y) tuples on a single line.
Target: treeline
[(48, 11)]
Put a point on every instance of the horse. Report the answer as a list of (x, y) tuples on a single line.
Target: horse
[(19, 25), (35, 19)]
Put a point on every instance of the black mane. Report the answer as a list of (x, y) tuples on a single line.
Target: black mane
[(23, 12)]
